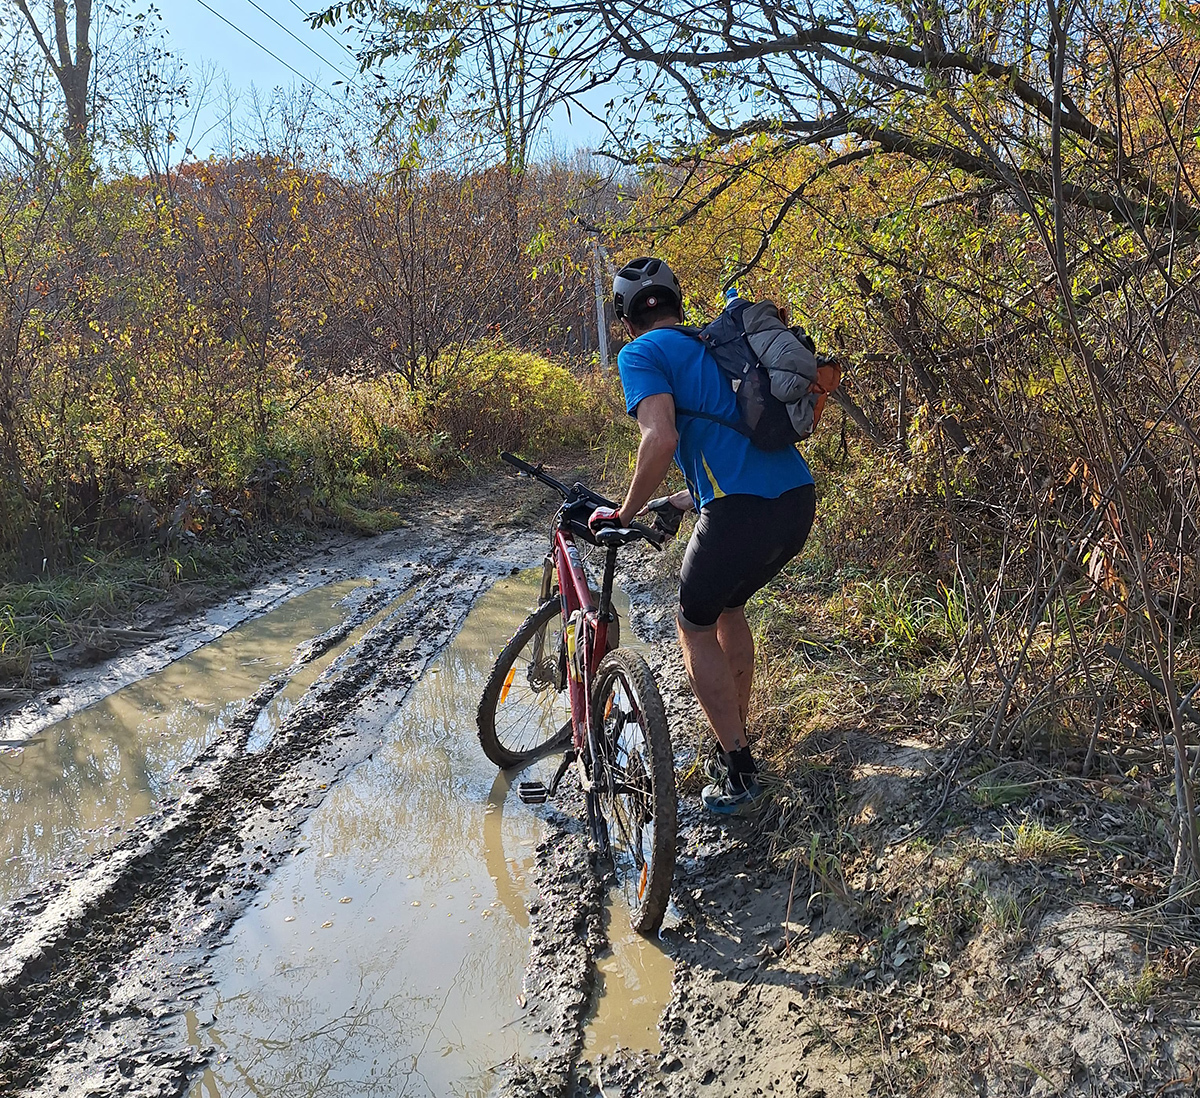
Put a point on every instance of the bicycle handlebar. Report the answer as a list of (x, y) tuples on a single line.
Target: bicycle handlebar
[(536, 472), (654, 537)]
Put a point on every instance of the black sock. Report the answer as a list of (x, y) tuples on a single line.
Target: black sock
[(741, 768)]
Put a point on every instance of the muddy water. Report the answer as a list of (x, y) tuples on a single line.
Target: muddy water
[(80, 783), (632, 988), (388, 956)]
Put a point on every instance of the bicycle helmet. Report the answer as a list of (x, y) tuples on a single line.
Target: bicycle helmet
[(645, 278)]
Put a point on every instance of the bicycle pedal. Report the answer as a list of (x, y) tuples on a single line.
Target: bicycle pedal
[(533, 792)]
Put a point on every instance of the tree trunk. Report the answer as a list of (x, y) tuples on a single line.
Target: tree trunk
[(73, 72)]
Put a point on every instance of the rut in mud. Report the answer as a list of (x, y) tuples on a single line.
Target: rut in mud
[(263, 918)]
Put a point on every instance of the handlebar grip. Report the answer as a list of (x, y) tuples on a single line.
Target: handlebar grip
[(534, 471), (654, 537), (581, 491), (517, 463)]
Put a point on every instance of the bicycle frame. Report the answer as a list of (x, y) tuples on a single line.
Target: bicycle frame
[(590, 617), (641, 770), (586, 617)]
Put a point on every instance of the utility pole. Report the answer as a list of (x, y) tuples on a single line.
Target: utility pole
[(601, 301)]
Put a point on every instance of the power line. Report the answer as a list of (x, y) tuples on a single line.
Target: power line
[(294, 38), (274, 56), (325, 31), (254, 41)]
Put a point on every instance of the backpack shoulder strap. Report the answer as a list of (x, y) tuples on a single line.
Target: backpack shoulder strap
[(704, 336), (735, 425)]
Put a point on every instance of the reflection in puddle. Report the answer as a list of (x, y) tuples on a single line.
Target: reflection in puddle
[(79, 783), (632, 987), (278, 708), (388, 956)]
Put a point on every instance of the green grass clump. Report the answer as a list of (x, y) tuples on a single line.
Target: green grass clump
[(46, 614), (1031, 840), (361, 520), (1140, 993), (996, 793)]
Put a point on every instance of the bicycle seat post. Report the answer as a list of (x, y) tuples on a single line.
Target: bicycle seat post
[(610, 568)]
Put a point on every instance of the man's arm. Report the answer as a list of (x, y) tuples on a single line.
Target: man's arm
[(656, 420)]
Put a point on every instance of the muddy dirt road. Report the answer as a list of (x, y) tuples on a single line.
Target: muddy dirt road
[(143, 829), (265, 856)]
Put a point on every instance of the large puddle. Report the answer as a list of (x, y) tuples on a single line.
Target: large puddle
[(77, 785), (388, 956)]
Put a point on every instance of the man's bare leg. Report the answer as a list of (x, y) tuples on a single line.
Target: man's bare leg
[(737, 642), (715, 682)]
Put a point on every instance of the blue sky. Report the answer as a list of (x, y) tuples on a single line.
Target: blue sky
[(198, 34)]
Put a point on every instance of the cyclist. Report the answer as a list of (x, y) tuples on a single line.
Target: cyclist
[(756, 510)]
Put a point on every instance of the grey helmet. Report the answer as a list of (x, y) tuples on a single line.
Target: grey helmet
[(643, 278)]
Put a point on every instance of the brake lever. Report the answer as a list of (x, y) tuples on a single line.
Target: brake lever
[(654, 537)]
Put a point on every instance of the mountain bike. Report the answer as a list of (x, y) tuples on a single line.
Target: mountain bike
[(563, 681)]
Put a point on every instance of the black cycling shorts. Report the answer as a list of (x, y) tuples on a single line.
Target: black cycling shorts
[(740, 543)]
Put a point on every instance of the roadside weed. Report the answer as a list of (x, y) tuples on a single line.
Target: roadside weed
[(1031, 840), (1004, 912), (995, 793), (1140, 993)]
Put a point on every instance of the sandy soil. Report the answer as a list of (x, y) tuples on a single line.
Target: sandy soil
[(885, 956)]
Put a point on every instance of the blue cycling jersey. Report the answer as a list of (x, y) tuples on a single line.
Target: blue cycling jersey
[(715, 459)]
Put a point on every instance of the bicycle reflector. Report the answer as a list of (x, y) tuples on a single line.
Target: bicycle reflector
[(508, 679)]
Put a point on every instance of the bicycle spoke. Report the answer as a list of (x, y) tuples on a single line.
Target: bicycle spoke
[(524, 708)]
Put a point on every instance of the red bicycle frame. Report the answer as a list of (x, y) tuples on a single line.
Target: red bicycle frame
[(585, 623), (586, 615)]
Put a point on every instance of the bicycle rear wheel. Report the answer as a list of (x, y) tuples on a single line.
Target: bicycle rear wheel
[(524, 711), (636, 790)]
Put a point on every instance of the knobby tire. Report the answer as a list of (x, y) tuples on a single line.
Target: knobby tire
[(529, 722), (635, 747)]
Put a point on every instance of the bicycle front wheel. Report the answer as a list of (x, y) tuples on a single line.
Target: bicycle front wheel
[(524, 711), (636, 788)]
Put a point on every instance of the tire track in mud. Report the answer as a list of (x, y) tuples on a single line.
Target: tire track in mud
[(566, 922), (566, 934), (95, 976)]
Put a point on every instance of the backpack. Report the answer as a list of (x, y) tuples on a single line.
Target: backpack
[(781, 383)]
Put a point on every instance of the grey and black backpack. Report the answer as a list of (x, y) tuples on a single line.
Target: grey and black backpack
[(780, 381)]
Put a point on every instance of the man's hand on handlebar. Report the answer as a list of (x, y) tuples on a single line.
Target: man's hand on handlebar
[(605, 514), (605, 518), (668, 512)]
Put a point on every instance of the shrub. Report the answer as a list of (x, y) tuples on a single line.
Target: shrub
[(494, 398)]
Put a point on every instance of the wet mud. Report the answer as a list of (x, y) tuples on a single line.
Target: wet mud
[(100, 968), (282, 909), (76, 786), (388, 954)]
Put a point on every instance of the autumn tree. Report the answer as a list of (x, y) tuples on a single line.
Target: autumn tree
[(61, 34)]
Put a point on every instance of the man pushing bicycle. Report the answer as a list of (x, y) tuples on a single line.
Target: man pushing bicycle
[(756, 508)]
